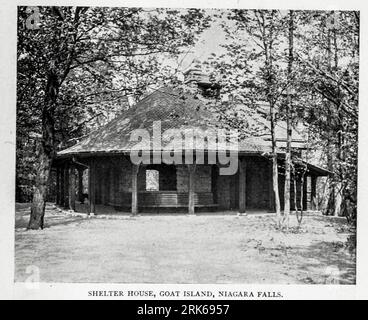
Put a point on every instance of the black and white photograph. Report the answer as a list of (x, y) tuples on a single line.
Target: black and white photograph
[(185, 145)]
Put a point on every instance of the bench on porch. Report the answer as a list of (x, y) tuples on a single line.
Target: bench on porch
[(165, 199)]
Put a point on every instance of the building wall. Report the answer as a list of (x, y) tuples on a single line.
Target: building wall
[(202, 181), (223, 192), (120, 181), (113, 180), (124, 171), (257, 183), (141, 179), (203, 178), (257, 186), (112, 187), (114, 183)]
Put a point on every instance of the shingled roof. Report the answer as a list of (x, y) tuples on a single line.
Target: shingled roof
[(175, 110)]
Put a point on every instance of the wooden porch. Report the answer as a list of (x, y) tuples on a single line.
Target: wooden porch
[(121, 185)]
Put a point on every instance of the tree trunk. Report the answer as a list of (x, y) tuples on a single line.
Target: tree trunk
[(302, 193), (330, 209), (288, 126), (47, 148), (46, 152), (340, 118), (275, 172), (298, 218), (275, 180), (268, 54), (36, 220)]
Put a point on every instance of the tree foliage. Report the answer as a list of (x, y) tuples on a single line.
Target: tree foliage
[(74, 69), (322, 84)]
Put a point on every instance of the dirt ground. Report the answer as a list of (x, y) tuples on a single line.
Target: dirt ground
[(184, 249)]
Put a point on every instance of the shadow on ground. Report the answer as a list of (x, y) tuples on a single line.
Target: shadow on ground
[(53, 217), (338, 263)]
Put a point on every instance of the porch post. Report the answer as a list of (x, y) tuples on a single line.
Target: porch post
[(112, 185), (107, 184), (191, 188), (66, 186), (242, 185), (313, 192), (271, 194), (92, 187), (305, 193), (80, 185), (72, 188), (214, 177), (101, 179), (62, 195), (135, 170), (57, 185)]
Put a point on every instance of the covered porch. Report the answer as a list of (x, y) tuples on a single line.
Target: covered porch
[(88, 184)]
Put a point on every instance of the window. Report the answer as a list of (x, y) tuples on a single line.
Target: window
[(152, 180)]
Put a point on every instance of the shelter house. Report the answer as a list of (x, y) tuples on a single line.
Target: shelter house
[(155, 186)]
